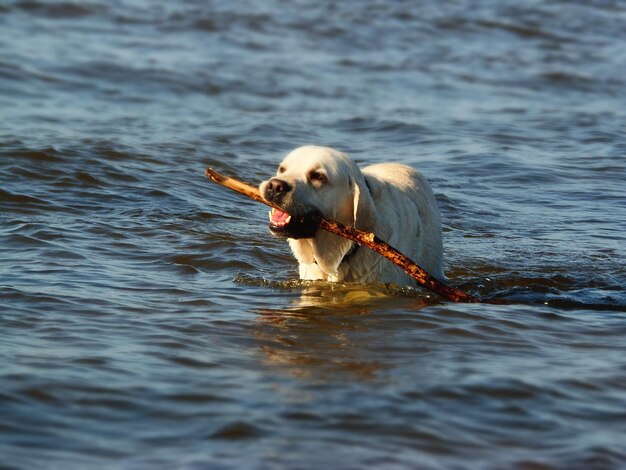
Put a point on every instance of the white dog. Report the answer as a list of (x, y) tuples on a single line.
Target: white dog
[(394, 201)]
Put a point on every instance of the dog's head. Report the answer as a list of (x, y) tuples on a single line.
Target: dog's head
[(315, 181)]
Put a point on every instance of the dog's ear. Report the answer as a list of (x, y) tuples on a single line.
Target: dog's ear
[(362, 204), (356, 195)]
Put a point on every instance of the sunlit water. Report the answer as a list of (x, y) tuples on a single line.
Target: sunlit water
[(148, 318)]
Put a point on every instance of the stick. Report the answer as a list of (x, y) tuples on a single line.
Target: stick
[(370, 240)]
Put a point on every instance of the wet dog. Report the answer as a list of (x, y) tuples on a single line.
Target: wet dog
[(389, 199)]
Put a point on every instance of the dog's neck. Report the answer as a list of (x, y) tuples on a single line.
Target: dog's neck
[(307, 253), (350, 254)]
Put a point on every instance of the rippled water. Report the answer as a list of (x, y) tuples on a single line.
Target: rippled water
[(147, 317)]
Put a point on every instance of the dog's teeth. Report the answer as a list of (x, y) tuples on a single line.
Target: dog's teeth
[(270, 214), (287, 220)]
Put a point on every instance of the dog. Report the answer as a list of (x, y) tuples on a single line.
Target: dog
[(392, 200)]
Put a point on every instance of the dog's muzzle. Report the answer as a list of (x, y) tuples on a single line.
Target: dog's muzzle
[(276, 189), (291, 223)]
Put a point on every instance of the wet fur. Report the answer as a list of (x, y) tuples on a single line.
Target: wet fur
[(392, 200)]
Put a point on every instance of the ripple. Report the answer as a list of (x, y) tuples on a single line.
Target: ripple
[(40, 396), (191, 362), (525, 31), (197, 398), (238, 430), (46, 155), (22, 200), (58, 10), (397, 131)]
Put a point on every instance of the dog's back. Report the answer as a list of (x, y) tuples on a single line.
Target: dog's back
[(407, 217)]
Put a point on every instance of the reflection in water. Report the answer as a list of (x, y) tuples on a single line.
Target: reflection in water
[(333, 295), (323, 334)]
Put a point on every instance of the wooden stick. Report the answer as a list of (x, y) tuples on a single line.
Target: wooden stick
[(370, 240)]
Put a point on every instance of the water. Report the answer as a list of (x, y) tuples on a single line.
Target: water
[(147, 317)]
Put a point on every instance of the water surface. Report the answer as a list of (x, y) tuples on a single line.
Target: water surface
[(147, 317)]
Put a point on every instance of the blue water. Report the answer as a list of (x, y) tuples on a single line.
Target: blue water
[(149, 320)]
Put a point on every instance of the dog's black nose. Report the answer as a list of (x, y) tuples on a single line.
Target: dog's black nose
[(276, 187)]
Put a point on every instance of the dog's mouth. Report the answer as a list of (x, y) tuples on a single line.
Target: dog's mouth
[(285, 225)]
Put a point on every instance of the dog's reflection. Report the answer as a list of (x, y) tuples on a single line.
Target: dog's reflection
[(332, 330)]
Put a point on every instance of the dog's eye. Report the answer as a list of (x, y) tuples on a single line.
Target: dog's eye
[(317, 177), (281, 169)]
